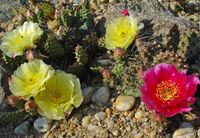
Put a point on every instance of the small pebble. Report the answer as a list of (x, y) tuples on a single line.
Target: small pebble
[(101, 96), (125, 113), (115, 132), (100, 116), (23, 128), (86, 121), (125, 103), (108, 111), (42, 124), (128, 128), (152, 134), (87, 94), (186, 130), (139, 114)]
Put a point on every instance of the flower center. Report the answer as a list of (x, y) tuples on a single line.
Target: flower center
[(123, 34), (30, 83), (167, 91), (58, 96), (18, 40)]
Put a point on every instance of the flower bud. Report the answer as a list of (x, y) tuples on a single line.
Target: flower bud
[(118, 53), (13, 100), (106, 73), (29, 13), (30, 56), (30, 106), (125, 12), (57, 13)]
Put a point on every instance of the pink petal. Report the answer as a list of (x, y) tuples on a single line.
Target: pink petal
[(179, 107), (191, 85), (165, 71)]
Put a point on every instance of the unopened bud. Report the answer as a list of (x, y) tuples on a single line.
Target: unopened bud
[(30, 106), (13, 100), (57, 13), (125, 12), (30, 56), (118, 53), (140, 73), (29, 13), (106, 73)]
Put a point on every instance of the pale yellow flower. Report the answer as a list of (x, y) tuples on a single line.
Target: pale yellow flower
[(121, 32), (15, 42), (29, 79), (62, 93)]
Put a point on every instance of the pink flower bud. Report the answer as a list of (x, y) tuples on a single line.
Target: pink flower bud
[(30, 56), (118, 53), (57, 13), (106, 73), (30, 106), (140, 73), (67, 114), (125, 12), (13, 100), (29, 13)]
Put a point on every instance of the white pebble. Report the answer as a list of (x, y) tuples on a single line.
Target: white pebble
[(125, 103), (100, 116), (186, 130), (42, 124)]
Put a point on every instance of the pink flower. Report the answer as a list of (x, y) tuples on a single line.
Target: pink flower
[(125, 12), (167, 91)]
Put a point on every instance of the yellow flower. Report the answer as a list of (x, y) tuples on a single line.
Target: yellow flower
[(15, 42), (62, 93), (29, 79), (121, 32)]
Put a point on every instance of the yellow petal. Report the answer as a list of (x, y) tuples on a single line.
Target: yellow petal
[(121, 32), (22, 38), (62, 92), (28, 80)]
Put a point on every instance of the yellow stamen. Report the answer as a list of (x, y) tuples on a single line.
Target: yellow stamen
[(167, 91)]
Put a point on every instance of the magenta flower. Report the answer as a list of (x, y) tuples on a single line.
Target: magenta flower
[(125, 12), (167, 91)]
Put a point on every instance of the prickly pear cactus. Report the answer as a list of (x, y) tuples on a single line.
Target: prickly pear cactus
[(10, 117), (81, 55), (77, 69), (170, 37), (171, 58), (67, 17), (53, 47), (47, 8), (184, 43), (12, 63), (194, 46), (86, 18)]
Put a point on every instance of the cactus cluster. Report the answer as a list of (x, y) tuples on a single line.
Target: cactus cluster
[(9, 117), (81, 55), (79, 17), (47, 8), (183, 43), (170, 57), (53, 47), (67, 17)]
